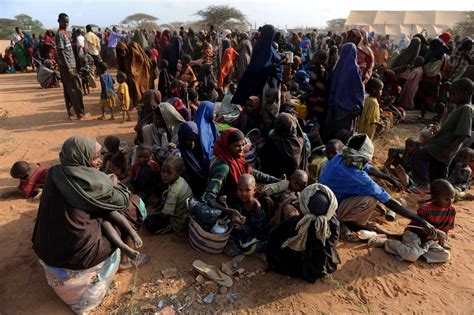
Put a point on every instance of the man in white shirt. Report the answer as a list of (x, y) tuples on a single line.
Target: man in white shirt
[(92, 45), (17, 36)]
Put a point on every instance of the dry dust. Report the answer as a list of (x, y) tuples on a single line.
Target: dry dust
[(368, 280)]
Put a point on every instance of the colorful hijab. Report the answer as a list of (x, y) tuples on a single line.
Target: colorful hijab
[(194, 159), (208, 133), (237, 166), (83, 186), (346, 92)]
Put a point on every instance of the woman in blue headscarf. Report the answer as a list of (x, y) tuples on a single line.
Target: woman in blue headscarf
[(346, 93), (208, 133), (195, 161), (264, 67)]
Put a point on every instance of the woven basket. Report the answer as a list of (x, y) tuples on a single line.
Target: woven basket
[(204, 241)]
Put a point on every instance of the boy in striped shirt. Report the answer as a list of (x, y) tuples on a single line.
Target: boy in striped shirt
[(440, 212)]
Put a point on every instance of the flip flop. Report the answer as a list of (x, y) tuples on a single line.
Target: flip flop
[(213, 273), (377, 241), (347, 235)]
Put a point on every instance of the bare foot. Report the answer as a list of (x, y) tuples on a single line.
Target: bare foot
[(137, 241), (131, 253), (142, 260)]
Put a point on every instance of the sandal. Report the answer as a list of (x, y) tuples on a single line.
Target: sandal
[(142, 260), (213, 273), (347, 235)]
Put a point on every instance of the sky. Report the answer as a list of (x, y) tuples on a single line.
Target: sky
[(281, 13)]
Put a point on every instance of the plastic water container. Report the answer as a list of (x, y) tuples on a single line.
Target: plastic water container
[(365, 235)]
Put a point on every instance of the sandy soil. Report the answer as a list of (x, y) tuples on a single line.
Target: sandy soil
[(368, 280)]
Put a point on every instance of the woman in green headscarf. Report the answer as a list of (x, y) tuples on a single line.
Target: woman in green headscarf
[(68, 236)]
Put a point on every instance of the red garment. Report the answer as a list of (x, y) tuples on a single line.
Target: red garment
[(35, 181), (227, 62), (441, 218), (445, 37), (238, 166), (154, 54)]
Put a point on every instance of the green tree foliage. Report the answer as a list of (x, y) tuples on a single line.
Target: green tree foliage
[(29, 25), (141, 20), (7, 27), (466, 27), (222, 17), (336, 25)]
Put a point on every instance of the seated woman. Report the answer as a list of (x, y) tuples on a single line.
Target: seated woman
[(195, 161), (285, 144), (162, 134), (347, 175), (250, 117), (151, 99), (208, 133), (69, 237), (48, 77), (226, 168), (305, 246)]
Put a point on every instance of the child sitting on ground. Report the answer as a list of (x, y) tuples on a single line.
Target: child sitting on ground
[(255, 222), (185, 73), (32, 178), (440, 212), (117, 165), (279, 199), (171, 215), (107, 92), (123, 95), (210, 94), (400, 159), (143, 173), (460, 176), (177, 97), (370, 118), (317, 164)]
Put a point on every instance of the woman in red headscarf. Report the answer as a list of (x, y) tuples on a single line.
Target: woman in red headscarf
[(227, 165)]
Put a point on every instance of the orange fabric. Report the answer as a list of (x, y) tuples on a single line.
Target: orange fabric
[(227, 63)]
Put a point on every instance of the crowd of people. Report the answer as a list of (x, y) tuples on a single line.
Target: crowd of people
[(273, 131)]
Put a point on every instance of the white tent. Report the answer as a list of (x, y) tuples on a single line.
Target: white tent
[(404, 22)]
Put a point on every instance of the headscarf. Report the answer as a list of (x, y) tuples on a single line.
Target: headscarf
[(137, 66), (165, 39), (391, 87), (346, 89), (194, 158), (208, 133), (288, 139), (321, 222), (445, 37), (358, 157), (424, 45), (265, 62), (173, 53), (237, 166), (83, 186), (407, 56), (152, 98), (227, 63), (172, 118), (437, 51)]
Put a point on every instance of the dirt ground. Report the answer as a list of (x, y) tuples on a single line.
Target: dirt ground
[(367, 281)]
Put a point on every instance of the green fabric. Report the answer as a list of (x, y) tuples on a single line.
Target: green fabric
[(20, 54), (458, 123), (83, 186)]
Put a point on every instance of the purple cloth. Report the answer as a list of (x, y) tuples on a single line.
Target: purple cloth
[(346, 92), (114, 39)]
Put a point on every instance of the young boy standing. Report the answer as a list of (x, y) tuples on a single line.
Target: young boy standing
[(123, 95), (370, 118), (107, 93)]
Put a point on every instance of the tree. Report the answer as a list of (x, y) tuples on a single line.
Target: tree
[(7, 27), (141, 20), (222, 17), (28, 24), (336, 25), (466, 27)]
